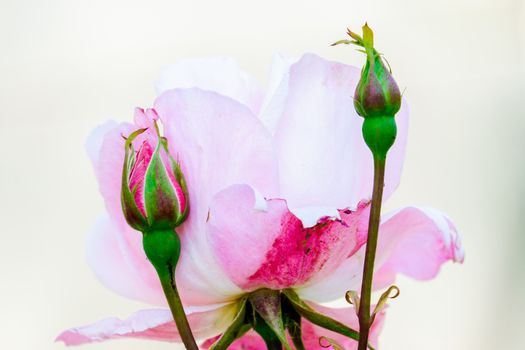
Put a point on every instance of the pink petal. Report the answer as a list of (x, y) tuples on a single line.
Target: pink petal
[(276, 91), (106, 148), (218, 142), (412, 241), (127, 261), (138, 172), (115, 254), (96, 139), (145, 118), (312, 333), (249, 341), (220, 74), (415, 242), (347, 276), (269, 247), (322, 156), (153, 324)]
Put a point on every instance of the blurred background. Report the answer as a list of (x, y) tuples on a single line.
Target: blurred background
[(68, 65)]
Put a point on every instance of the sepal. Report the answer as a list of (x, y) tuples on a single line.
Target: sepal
[(236, 330), (391, 293), (162, 202), (267, 305), (292, 323), (133, 215), (316, 318), (377, 93)]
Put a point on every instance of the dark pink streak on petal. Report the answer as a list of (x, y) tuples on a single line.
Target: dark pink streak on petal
[(137, 173), (299, 254)]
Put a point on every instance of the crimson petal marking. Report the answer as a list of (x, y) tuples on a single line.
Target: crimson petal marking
[(271, 248)]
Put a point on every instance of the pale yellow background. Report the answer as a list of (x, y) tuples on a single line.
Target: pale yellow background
[(66, 66)]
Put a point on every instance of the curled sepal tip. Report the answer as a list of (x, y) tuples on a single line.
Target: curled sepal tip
[(352, 298), (391, 293), (132, 213), (326, 342), (316, 318)]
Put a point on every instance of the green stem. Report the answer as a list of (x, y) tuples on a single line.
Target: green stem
[(167, 280), (163, 251), (365, 321)]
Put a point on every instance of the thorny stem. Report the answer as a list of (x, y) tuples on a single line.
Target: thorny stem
[(365, 320)]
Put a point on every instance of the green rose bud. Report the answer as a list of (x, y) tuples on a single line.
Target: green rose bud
[(154, 195), (377, 97), (377, 93)]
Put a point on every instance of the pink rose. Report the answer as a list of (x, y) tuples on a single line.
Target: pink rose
[(279, 185)]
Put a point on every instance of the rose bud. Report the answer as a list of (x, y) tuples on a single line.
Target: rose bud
[(377, 97), (153, 195), (377, 93)]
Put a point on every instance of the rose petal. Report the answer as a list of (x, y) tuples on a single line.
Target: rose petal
[(323, 160), (277, 91), (105, 146), (218, 74), (96, 139), (347, 276), (218, 142), (115, 254), (153, 324), (412, 241), (415, 242), (271, 248)]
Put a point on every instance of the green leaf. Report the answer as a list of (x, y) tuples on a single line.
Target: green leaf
[(316, 318), (267, 304), (236, 330)]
